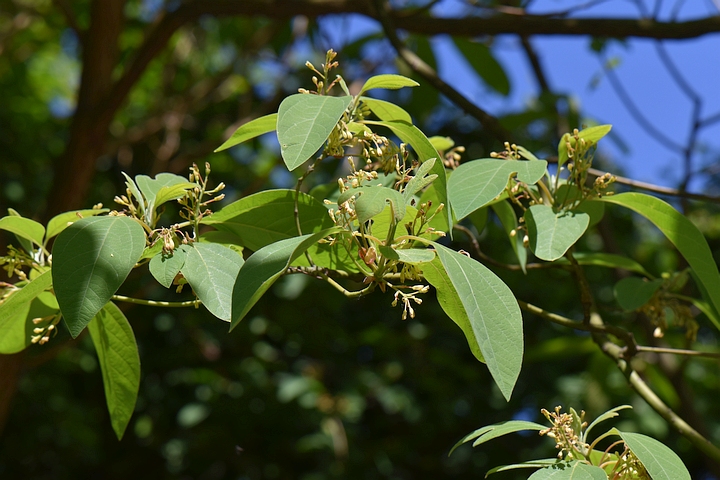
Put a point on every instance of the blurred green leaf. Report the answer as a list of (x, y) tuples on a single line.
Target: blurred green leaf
[(387, 81), (480, 57), (489, 432), (633, 292), (14, 309)]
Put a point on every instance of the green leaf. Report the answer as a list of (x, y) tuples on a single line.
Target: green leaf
[(482, 60), (612, 413), (386, 111), (264, 267), (304, 123), (448, 298), (152, 250), (228, 239), (420, 180), (489, 432), (381, 222), (268, 217), (424, 150), (542, 463), (632, 293), (211, 270), (413, 256), (60, 222), (91, 259), (552, 234), (165, 267), (24, 227), (570, 471), (509, 221), (492, 311), (682, 233), (370, 200), (441, 144), (607, 260), (163, 188), (14, 310), (388, 81), (475, 184), (119, 363), (659, 460), (253, 128), (591, 136)]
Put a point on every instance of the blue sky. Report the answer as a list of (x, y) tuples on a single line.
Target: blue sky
[(574, 70)]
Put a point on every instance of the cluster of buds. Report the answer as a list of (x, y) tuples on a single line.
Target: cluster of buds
[(320, 78), (15, 261), (602, 183), (510, 153), (422, 218), (563, 431), (45, 327), (194, 206), (408, 298), (452, 157)]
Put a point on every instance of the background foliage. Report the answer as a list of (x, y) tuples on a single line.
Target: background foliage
[(311, 385)]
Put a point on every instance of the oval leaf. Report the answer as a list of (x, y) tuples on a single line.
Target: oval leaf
[(211, 269), (659, 460), (165, 267), (264, 267), (475, 184), (24, 227), (60, 222), (482, 60), (370, 200), (268, 217), (388, 81), (14, 327), (493, 313), (91, 259), (682, 233), (304, 122), (552, 234), (253, 128), (119, 363)]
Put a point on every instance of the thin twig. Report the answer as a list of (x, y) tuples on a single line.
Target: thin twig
[(677, 351), (650, 187), (156, 303)]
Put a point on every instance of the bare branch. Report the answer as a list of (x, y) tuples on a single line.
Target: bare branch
[(673, 192)]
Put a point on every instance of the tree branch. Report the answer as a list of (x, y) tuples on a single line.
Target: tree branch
[(650, 187)]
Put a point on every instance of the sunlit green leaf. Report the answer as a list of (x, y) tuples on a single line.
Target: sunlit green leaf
[(163, 188), (14, 310), (441, 144), (542, 463), (552, 234), (91, 259), (612, 413), (492, 311), (211, 269), (228, 239), (264, 267), (682, 233), (386, 111), (60, 222), (420, 180), (475, 184), (304, 123), (659, 460), (119, 363), (591, 136), (267, 217), (24, 227), (253, 128), (387, 81), (413, 256)]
